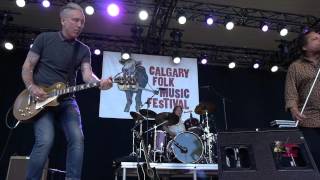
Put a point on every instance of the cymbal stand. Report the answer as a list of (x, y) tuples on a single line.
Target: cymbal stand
[(154, 143), (133, 153), (147, 119), (155, 140), (134, 132), (155, 150), (208, 138), (140, 145)]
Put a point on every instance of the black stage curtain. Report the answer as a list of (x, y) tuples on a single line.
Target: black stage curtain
[(253, 99)]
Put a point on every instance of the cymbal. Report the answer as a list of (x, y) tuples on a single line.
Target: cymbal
[(147, 113), (171, 118), (204, 107), (136, 116)]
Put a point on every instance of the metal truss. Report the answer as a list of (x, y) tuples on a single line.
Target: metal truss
[(164, 11), (247, 17), (198, 11), (162, 14), (217, 55)]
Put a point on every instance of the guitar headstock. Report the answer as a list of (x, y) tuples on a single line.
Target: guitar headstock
[(125, 80)]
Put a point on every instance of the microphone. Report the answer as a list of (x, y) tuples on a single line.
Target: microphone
[(182, 148)]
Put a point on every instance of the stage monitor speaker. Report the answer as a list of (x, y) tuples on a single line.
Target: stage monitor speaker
[(265, 155), (17, 169)]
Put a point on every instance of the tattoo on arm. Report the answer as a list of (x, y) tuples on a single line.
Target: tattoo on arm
[(28, 67), (87, 74)]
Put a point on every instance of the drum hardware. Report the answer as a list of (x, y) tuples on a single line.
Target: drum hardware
[(169, 118), (208, 138), (204, 107), (139, 119), (183, 149), (155, 136), (148, 113), (136, 116), (133, 153), (186, 147), (159, 137), (193, 124)]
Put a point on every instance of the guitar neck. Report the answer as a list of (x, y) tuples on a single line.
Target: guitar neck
[(73, 89)]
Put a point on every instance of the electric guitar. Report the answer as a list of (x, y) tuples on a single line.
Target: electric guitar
[(26, 106), (148, 173)]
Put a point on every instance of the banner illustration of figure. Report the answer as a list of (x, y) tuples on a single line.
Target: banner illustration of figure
[(133, 69)]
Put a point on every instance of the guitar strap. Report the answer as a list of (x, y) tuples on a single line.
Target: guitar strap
[(72, 63)]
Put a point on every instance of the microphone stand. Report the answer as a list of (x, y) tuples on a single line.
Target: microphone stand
[(182, 148), (147, 119), (210, 87), (307, 99)]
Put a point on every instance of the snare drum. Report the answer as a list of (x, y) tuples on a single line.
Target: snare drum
[(186, 147)]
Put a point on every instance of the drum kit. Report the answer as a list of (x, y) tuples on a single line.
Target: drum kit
[(195, 145)]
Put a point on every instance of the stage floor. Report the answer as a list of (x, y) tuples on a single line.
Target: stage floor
[(170, 170)]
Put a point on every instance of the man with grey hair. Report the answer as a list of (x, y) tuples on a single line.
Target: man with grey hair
[(56, 57)]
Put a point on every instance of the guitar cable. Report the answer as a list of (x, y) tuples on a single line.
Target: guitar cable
[(10, 133)]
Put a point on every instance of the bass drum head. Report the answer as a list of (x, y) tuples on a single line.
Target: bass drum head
[(193, 145)]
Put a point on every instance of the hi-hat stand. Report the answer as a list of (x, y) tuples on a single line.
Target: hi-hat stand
[(208, 138)]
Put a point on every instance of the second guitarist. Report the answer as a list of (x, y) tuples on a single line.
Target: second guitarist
[(56, 57)]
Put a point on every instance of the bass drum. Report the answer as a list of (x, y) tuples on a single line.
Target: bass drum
[(186, 147)]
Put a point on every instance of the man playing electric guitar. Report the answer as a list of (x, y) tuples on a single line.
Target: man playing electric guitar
[(56, 57)]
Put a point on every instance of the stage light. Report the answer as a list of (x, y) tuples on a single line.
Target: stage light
[(8, 46), (143, 15), (97, 52), (256, 65), (232, 65), (203, 58), (176, 60), (89, 10), (264, 27), (113, 10), (283, 32), (274, 68), (230, 25), (204, 61), (46, 3), (31, 46), (209, 20), (182, 19), (21, 3), (125, 56), (305, 30)]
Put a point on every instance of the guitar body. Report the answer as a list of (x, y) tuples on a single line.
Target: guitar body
[(26, 107), (145, 172)]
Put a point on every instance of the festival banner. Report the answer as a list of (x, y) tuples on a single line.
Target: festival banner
[(161, 85)]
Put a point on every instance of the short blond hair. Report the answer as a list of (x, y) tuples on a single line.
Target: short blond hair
[(68, 7)]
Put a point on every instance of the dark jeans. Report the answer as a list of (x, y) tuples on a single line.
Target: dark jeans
[(68, 116), (312, 136)]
